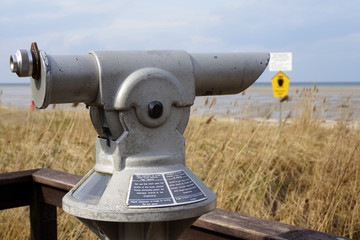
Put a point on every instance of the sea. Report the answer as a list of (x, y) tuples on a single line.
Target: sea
[(325, 100)]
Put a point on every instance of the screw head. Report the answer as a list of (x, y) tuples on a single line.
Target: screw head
[(155, 109)]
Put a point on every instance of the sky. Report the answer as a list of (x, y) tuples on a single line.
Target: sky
[(323, 35)]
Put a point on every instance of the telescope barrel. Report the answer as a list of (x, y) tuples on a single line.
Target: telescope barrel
[(227, 73), (76, 78), (65, 79)]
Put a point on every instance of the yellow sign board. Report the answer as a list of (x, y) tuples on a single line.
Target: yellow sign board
[(280, 84)]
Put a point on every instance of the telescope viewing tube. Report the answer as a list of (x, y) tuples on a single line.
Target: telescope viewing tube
[(77, 78)]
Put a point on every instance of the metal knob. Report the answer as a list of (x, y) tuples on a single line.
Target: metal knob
[(155, 109)]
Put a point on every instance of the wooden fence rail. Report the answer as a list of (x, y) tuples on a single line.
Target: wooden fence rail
[(43, 189)]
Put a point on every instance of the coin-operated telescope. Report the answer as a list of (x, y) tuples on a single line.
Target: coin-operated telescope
[(140, 187)]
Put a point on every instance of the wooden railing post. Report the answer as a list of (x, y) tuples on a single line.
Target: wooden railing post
[(42, 217)]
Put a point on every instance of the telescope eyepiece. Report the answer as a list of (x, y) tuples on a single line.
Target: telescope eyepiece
[(22, 63), (26, 63), (14, 65)]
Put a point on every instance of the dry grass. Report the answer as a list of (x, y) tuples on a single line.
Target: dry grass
[(309, 177)]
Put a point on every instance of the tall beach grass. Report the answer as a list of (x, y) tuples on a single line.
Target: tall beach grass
[(309, 177)]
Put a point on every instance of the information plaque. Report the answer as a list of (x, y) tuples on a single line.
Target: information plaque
[(163, 190), (280, 62)]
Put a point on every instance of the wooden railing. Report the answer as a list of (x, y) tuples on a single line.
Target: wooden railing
[(43, 189)]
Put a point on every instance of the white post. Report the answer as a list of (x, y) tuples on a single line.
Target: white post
[(280, 113)]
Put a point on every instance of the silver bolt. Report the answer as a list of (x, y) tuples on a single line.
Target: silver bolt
[(22, 63)]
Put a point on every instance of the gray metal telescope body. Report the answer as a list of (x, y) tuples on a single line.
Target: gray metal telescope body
[(140, 187)]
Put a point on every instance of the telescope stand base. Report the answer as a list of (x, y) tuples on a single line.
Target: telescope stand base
[(169, 230)]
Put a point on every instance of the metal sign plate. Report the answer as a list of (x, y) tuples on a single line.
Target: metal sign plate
[(280, 84), (280, 62), (163, 190)]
